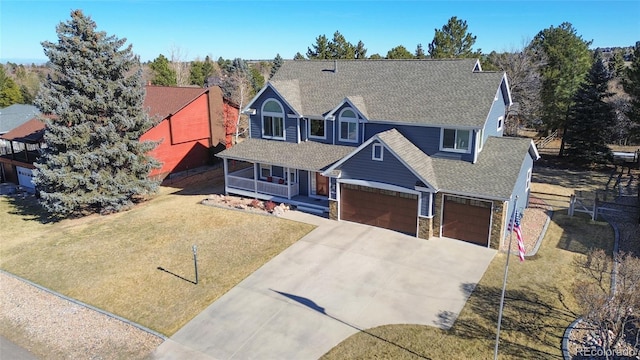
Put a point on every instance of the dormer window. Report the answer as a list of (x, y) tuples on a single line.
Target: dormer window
[(348, 125), (456, 140), (272, 120)]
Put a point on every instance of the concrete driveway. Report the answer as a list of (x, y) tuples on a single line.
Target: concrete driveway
[(339, 279)]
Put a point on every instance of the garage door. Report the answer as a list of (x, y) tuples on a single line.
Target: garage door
[(466, 219), (382, 208)]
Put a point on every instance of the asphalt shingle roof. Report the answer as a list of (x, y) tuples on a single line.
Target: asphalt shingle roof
[(432, 92), (494, 174), (16, 115), (163, 101), (309, 155), (420, 162)]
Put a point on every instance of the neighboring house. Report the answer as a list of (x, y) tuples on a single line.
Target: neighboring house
[(414, 146), (193, 123), (24, 142), (15, 154)]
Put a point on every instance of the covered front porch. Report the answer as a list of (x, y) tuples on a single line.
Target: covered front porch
[(289, 186), (281, 171)]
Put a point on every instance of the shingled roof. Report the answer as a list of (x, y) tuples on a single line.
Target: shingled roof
[(163, 101), (308, 155), (15, 115), (495, 173), (432, 92)]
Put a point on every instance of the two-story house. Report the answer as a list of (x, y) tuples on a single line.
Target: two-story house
[(414, 146)]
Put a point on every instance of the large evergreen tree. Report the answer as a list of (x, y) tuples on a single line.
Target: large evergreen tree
[(631, 83), (200, 71), (164, 75), (277, 62), (94, 161), (566, 61), (453, 41), (591, 118), (336, 48)]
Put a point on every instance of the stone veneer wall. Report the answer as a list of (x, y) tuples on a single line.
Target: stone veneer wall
[(333, 210), (497, 220), (425, 227), (437, 214)]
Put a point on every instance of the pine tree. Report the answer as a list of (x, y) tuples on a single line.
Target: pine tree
[(399, 52), (94, 161), (591, 118), (453, 41), (631, 83), (277, 62), (419, 53), (164, 75), (9, 91)]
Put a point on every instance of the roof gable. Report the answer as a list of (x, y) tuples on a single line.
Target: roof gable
[(30, 132), (164, 101), (403, 150), (432, 92)]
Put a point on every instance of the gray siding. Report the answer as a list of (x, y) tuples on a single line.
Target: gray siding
[(520, 190), (290, 124), (390, 171), (426, 203), (425, 138), (498, 109)]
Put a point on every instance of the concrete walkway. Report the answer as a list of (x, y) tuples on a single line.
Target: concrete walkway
[(339, 279)]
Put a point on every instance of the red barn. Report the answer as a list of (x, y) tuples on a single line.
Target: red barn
[(191, 122)]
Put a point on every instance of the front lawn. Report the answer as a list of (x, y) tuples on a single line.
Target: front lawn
[(539, 305), (112, 262)]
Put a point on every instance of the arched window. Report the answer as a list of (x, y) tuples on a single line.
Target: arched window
[(348, 125), (272, 120)]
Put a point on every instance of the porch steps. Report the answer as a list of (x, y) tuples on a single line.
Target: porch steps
[(308, 209)]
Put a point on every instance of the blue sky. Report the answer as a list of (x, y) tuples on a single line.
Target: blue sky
[(262, 29)]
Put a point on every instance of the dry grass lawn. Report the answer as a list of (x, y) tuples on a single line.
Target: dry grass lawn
[(112, 262)]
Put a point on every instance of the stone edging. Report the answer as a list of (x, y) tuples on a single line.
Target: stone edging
[(565, 338), (542, 234), (80, 303)]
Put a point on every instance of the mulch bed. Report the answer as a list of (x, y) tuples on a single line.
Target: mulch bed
[(534, 218)]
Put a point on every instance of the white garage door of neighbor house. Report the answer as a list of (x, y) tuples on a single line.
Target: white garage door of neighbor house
[(25, 177)]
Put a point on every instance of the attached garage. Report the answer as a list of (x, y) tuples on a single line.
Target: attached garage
[(387, 209), (466, 219)]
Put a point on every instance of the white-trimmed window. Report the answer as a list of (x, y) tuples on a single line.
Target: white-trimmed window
[(317, 129), (500, 122), (377, 152), (293, 175), (348, 122), (265, 171), (528, 181), (272, 120), (456, 140), (480, 138)]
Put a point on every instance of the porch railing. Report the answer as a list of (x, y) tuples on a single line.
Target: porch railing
[(243, 180)]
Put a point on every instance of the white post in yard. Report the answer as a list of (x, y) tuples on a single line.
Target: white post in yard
[(288, 184)]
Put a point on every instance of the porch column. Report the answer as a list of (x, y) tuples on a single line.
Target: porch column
[(226, 172), (255, 179), (288, 184)]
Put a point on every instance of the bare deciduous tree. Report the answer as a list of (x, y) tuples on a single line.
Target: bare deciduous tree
[(613, 313), (180, 65)]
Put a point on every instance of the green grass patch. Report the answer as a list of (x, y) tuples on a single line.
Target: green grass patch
[(112, 262), (539, 305)]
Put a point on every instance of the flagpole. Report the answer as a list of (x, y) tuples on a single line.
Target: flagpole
[(504, 282)]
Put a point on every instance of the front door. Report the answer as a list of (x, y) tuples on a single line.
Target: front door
[(322, 185)]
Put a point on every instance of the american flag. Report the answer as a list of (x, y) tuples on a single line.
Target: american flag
[(518, 230)]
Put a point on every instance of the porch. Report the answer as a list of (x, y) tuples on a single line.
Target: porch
[(246, 182)]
